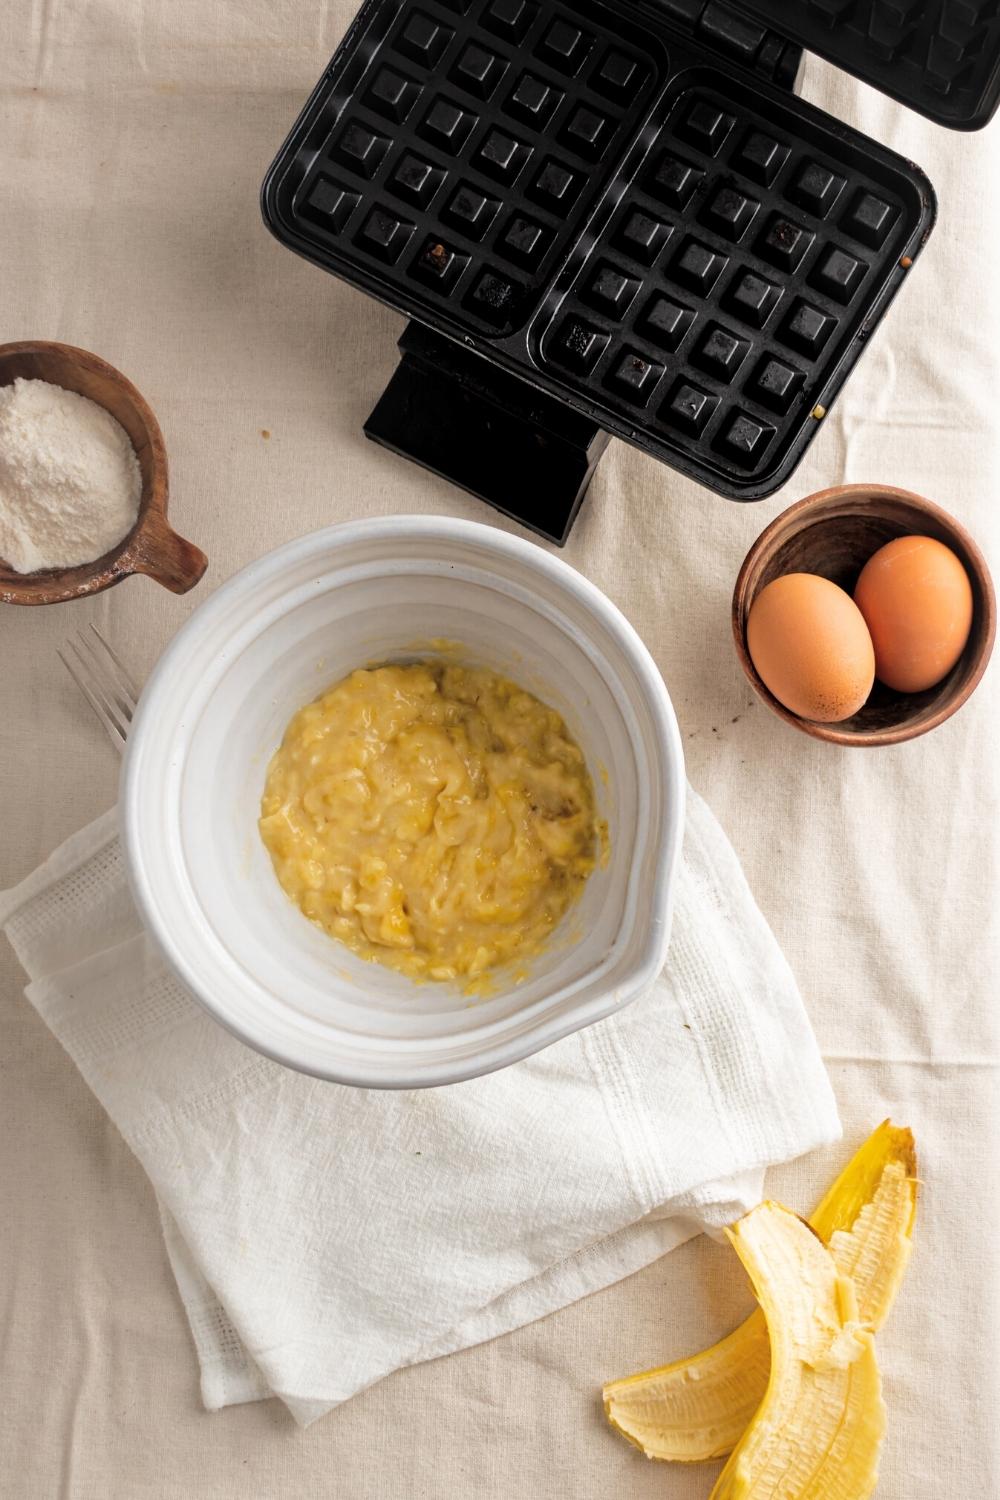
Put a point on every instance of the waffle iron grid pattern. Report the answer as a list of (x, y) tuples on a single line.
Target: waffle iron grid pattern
[(599, 206), (473, 149), (728, 282), (939, 56)]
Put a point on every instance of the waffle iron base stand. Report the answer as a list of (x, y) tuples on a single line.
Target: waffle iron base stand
[(491, 433), (527, 454)]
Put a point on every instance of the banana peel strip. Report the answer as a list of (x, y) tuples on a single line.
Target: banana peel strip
[(819, 1428), (698, 1408)]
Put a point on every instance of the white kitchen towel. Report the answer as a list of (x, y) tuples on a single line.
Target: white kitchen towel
[(324, 1236)]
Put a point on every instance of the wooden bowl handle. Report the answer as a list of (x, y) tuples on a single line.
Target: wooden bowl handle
[(161, 554)]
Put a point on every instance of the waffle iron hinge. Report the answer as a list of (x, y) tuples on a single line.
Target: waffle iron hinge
[(493, 434), (738, 37)]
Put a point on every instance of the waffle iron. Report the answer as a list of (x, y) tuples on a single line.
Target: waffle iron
[(618, 218)]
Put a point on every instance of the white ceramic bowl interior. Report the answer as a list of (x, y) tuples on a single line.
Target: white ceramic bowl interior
[(215, 708)]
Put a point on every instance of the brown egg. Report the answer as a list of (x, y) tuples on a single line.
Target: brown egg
[(811, 647), (917, 600)]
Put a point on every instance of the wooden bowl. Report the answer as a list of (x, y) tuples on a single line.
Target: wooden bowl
[(150, 547), (834, 533)]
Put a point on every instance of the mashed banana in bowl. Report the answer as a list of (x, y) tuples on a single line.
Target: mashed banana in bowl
[(434, 817)]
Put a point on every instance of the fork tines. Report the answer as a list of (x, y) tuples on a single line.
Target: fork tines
[(103, 679)]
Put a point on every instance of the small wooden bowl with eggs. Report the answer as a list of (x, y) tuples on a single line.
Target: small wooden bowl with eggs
[(853, 614)]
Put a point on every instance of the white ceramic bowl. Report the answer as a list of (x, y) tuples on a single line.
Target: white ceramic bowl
[(215, 709)]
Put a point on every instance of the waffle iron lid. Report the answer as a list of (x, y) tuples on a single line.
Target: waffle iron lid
[(939, 57)]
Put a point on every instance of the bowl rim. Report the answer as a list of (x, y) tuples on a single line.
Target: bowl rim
[(897, 734), (495, 1053)]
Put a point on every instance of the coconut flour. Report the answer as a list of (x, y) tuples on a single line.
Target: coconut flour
[(69, 478)]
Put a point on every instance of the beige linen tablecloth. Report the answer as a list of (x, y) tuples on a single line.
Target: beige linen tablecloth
[(133, 137)]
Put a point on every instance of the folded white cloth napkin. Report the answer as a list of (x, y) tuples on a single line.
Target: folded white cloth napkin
[(324, 1236)]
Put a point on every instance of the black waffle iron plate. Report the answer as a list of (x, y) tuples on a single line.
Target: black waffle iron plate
[(615, 219)]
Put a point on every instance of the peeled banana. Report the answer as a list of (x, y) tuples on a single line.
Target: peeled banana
[(817, 1433), (698, 1408)]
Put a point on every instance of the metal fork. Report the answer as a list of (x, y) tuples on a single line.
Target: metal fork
[(104, 681)]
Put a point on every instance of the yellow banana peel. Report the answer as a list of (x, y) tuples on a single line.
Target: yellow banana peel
[(818, 1430), (888, 1145), (698, 1408)]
